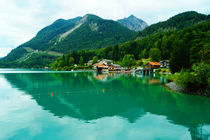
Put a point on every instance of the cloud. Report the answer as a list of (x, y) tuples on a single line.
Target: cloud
[(149, 10), (21, 20), (19, 23)]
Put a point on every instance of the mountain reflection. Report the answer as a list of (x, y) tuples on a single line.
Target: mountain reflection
[(89, 96)]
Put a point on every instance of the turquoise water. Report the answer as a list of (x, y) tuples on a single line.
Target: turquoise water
[(45, 105)]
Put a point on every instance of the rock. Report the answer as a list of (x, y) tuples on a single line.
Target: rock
[(173, 86)]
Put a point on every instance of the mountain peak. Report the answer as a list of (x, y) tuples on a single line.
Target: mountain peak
[(133, 23), (132, 16), (91, 16)]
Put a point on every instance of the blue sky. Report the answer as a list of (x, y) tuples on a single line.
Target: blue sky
[(22, 19)]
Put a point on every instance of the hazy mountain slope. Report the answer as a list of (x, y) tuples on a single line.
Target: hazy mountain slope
[(43, 40), (95, 32), (133, 23), (48, 36)]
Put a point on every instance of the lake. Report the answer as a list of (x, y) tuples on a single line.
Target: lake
[(47, 105)]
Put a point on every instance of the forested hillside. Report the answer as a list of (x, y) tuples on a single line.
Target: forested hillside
[(183, 47), (176, 22)]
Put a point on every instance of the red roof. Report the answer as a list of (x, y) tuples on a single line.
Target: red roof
[(154, 63), (100, 65)]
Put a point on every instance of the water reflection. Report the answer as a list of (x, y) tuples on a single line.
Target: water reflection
[(91, 96)]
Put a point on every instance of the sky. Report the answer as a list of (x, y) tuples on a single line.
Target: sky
[(20, 20)]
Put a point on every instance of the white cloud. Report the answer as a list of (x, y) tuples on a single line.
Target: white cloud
[(17, 24), (21, 20)]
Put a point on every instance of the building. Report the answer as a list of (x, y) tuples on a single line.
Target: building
[(100, 67), (164, 63), (106, 61), (114, 67), (152, 65), (139, 70)]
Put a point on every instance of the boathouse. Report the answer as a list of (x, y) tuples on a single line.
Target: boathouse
[(152, 65)]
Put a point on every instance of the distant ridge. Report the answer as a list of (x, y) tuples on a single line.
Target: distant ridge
[(179, 21)]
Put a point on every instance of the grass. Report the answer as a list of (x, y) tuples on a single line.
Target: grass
[(51, 53)]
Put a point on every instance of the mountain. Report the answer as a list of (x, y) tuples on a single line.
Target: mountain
[(176, 22), (93, 32), (64, 36), (133, 23)]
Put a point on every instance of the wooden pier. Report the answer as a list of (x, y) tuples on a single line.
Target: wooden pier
[(145, 71)]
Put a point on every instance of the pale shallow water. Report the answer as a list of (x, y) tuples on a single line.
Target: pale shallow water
[(90, 106)]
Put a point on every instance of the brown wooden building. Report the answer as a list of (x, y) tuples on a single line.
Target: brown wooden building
[(152, 65)]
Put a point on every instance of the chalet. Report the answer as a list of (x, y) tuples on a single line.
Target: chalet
[(152, 65), (100, 66), (106, 61), (114, 67), (164, 63)]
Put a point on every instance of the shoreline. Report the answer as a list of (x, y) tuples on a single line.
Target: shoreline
[(174, 87)]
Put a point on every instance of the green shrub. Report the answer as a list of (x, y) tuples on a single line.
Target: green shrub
[(158, 70), (195, 80), (163, 70)]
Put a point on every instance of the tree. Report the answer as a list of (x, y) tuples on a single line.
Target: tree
[(142, 54), (196, 79), (115, 52), (205, 53), (71, 61), (165, 47), (154, 54), (139, 63), (81, 60), (128, 60), (95, 60), (179, 58)]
